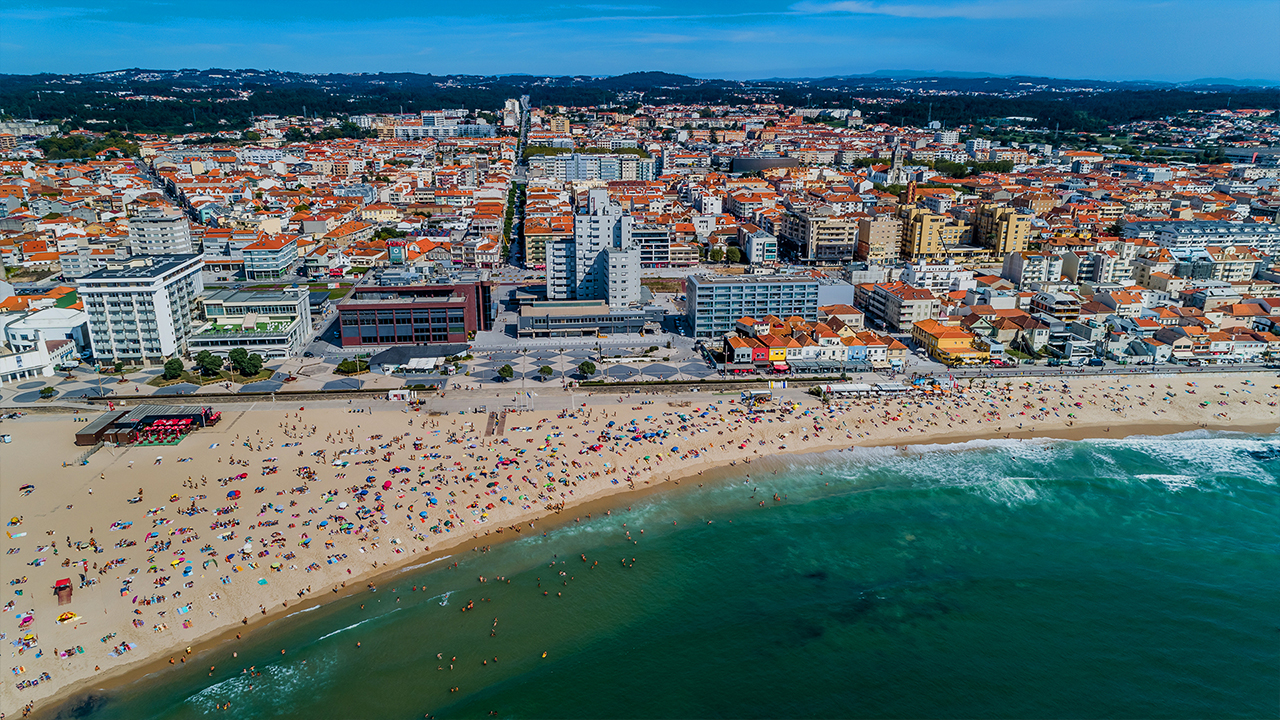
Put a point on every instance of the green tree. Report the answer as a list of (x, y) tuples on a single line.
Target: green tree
[(47, 392), (545, 371), (734, 255), (250, 136), (295, 134), (716, 254), (119, 368), (173, 369), (208, 363), (244, 363), (302, 208), (80, 146), (587, 368), (506, 372), (252, 365), (237, 357)]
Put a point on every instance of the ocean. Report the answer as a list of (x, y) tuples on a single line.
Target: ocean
[(996, 579)]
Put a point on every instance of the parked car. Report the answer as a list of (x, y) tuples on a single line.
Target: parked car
[(1096, 362), (308, 354)]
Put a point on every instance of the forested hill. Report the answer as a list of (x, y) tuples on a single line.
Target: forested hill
[(187, 101)]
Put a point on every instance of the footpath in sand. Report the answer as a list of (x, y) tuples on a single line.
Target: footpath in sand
[(165, 547)]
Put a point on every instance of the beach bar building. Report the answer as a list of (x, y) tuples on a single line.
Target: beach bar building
[(147, 423)]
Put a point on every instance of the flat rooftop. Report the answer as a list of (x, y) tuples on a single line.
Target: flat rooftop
[(751, 279), (228, 296), (138, 268)]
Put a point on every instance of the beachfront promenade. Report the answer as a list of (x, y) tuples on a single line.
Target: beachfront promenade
[(311, 378)]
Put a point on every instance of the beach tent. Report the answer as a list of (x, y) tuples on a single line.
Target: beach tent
[(62, 588)]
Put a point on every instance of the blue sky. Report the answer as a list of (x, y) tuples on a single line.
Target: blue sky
[(1102, 39)]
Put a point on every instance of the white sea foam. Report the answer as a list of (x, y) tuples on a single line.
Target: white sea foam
[(1203, 452), (278, 684), (356, 625), (1173, 482), (422, 565)]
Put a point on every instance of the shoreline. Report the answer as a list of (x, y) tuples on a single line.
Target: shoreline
[(548, 521)]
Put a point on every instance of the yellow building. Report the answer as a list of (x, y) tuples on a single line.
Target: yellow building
[(1002, 230), (950, 344), (929, 236)]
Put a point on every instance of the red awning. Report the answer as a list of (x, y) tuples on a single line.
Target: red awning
[(779, 366)]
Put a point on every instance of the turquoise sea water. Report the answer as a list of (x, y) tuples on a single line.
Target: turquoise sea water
[(1102, 578)]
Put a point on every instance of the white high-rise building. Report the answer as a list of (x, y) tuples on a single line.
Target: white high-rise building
[(601, 262), (142, 310), (160, 231)]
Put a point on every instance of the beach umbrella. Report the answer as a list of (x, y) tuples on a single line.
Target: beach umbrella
[(422, 515), (233, 494), (323, 523), (386, 485)]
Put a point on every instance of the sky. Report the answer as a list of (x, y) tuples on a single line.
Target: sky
[(735, 39)]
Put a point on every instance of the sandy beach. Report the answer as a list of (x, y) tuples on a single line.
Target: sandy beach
[(178, 548)]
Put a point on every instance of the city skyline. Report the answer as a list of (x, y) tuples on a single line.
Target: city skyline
[(750, 39)]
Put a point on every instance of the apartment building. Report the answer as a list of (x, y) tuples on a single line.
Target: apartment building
[(715, 302), (896, 305), (759, 247), (930, 236), (271, 257), (879, 239), (1002, 230), (601, 262), (822, 235), (142, 310), (1063, 306), (160, 231), (1200, 234), (575, 166), (654, 243), (1024, 268)]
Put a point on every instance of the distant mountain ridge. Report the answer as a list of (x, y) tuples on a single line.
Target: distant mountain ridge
[(634, 81), (187, 100)]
